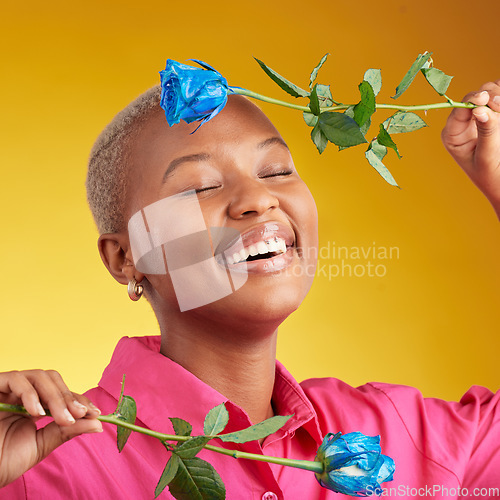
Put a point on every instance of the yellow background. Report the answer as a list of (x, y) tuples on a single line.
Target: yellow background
[(432, 321)]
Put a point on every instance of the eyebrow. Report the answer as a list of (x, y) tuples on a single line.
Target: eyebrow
[(200, 157), (197, 157), (271, 141)]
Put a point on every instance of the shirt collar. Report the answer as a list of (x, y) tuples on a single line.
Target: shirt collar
[(289, 398), (163, 388)]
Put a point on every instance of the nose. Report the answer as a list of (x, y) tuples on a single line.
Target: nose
[(251, 197)]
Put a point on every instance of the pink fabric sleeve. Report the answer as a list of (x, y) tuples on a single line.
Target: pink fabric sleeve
[(463, 437), (433, 442), (14, 491)]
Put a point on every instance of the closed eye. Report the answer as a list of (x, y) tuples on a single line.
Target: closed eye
[(276, 174), (200, 190)]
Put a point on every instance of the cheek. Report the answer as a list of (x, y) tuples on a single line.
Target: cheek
[(161, 293), (302, 208)]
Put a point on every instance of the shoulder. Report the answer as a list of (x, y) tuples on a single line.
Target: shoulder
[(440, 436), (327, 392), (399, 401), (343, 407)]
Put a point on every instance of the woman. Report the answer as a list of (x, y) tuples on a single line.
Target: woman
[(224, 350)]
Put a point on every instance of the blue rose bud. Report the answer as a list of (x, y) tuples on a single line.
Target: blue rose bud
[(192, 94), (353, 464)]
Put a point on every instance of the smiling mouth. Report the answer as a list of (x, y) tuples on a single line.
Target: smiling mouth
[(260, 250)]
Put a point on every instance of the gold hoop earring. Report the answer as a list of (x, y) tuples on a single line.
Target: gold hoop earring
[(135, 290)]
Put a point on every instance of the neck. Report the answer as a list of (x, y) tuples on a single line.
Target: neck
[(234, 361)]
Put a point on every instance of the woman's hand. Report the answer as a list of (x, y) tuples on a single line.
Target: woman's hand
[(472, 137), (21, 445)]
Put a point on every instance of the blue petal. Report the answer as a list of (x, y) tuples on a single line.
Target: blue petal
[(387, 468), (192, 94), (204, 65), (354, 464)]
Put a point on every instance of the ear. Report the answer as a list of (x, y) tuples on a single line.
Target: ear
[(117, 257)]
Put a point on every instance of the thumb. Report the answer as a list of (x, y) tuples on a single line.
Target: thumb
[(52, 435), (488, 135)]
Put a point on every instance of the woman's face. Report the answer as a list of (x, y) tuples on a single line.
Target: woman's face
[(246, 181)]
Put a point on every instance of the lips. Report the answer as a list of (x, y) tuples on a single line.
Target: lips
[(263, 248)]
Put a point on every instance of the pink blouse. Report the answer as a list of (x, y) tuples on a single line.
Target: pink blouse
[(441, 449)]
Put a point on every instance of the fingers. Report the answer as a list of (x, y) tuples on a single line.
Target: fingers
[(465, 125), (53, 435), (38, 388), (485, 96), (21, 445), (487, 120), (472, 137), (488, 95), (73, 406), (488, 139), (17, 388), (489, 101), (459, 126)]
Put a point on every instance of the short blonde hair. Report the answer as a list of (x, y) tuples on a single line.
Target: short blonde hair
[(109, 162)]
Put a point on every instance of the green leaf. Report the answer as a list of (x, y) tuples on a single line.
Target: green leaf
[(375, 154), (364, 129), (314, 72), (366, 107), (190, 448), (310, 119), (374, 78), (439, 80), (402, 122), (168, 474), (257, 431), (181, 427), (385, 139), (340, 129), (216, 420), (126, 411), (378, 149), (410, 75), (196, 479), (314, 101), (285, 84), (324, 95), (319, 139)]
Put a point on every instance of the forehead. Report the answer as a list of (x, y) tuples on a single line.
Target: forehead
[(234, 134), (239, 123)]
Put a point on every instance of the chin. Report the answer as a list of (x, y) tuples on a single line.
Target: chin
[(259, 303), (265, 298)]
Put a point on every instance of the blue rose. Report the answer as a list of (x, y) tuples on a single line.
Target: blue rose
[(192, 94), (353, 464)]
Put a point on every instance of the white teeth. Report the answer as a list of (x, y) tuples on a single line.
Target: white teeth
[(244, 254), (262, 247), (275, 244), (252, 250), (272, 245)]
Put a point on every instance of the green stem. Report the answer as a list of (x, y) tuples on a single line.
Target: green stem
[(260, 97), (309, 465), (418, 107), (425, 107), (113, 419)]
